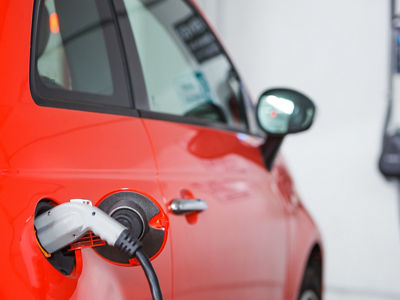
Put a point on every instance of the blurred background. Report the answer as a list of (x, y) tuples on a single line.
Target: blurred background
[(336, 52)]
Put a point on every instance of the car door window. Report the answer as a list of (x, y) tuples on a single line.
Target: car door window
[(185, 69), (77, 58)]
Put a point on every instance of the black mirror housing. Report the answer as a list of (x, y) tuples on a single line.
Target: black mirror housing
[(280, 112)]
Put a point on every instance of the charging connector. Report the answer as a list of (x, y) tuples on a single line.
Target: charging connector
[(66, 223)]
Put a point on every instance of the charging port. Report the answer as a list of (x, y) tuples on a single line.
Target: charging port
[(138, 213)]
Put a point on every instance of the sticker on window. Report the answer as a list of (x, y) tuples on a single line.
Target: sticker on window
[(198, 38), (193, 89)]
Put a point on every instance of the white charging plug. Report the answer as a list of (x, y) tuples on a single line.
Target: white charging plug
[(66, 223)]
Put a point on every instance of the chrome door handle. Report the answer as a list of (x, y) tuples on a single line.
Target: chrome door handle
[(184, 206)]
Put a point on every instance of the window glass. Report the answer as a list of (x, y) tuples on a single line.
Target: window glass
[(185, 70), (72, 52)]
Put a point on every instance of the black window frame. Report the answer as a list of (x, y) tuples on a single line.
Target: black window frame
[(134, 82), (139, 87), (75, 100)]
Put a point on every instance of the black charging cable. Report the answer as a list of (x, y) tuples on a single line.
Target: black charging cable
[(132, 246)]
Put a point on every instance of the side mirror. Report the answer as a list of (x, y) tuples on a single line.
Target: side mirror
[(280, 112), (284, 111)]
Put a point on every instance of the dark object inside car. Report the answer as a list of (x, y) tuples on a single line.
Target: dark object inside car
[(389, 163)]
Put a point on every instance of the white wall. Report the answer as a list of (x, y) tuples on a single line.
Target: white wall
[(336, 52)]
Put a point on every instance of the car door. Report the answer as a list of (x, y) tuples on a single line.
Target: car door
[(71, 133), (195, 115)]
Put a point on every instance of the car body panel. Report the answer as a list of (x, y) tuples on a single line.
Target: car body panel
[(303, 238), (241, 238), (61, 154)]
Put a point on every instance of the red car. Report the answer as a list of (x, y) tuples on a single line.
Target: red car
[(135, 106)]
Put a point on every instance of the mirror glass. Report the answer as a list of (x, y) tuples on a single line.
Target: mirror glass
[(284, 111)]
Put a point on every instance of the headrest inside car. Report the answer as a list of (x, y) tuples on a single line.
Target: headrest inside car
[(43, 29)]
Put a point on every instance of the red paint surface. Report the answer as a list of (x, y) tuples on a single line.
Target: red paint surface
[(237, 247), (250, 244), (62, 154)]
